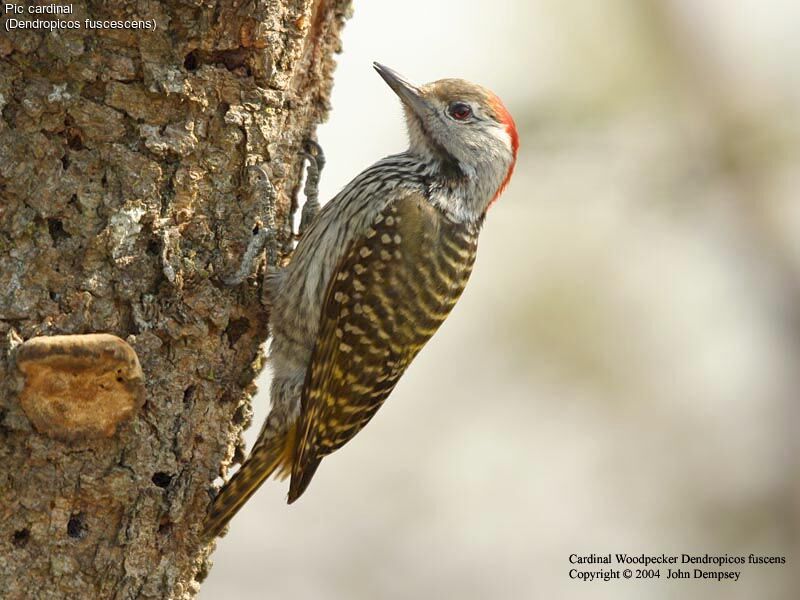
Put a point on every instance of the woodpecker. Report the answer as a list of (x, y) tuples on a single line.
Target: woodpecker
[(372, 278)]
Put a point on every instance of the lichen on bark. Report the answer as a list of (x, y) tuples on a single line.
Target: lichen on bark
[(124, 202)]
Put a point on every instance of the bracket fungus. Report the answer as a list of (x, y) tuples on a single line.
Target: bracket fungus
[(79, 386)]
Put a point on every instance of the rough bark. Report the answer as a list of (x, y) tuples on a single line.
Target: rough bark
[(127, 193)]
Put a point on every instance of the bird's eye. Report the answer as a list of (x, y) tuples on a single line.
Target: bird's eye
[(459, 111)]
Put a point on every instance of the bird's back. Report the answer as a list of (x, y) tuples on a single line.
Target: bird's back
[(299, 292)]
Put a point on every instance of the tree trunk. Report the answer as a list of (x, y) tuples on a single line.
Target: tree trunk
[(128, 191)]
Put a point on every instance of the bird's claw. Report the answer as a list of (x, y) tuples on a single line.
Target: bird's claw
[(316, 161)]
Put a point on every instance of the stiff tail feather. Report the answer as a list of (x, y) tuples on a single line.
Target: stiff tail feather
[(267, 456)]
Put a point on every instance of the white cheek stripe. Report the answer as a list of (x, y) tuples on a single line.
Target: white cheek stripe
[(500, 133)]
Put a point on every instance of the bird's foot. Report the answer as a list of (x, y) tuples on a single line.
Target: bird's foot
[(316, 161)]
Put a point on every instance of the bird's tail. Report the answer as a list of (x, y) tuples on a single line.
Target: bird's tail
[(268, 455)]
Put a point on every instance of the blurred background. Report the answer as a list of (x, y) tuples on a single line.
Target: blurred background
[(621, 374)]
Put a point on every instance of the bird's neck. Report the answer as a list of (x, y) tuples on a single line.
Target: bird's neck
[(462, 192)]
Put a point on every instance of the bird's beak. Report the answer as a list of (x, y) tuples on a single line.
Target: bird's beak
[(408, 93)]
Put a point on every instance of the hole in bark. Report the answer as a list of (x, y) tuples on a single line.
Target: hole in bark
[(153, 247), (190, 63), (188, 394), (239, 416), (20, 538), (202, 573), (104, 180), (65, 162), (164, 527), (162, 479), (236, 329), (73, 201), (55, 296), (74, 138), (76, 528), (56, 229)]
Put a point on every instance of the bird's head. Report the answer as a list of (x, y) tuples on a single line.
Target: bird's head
[(464, 128)]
